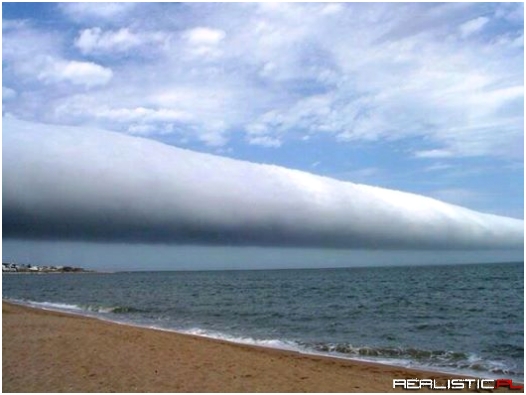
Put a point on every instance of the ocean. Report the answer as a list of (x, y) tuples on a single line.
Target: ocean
[(465, 319)]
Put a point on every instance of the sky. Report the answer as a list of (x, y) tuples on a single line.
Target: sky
[(222, 135)]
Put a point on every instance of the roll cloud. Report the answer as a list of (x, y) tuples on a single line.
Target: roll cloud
[(76, 183)]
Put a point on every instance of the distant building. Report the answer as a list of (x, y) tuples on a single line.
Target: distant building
[(14, 267), (9, 267)]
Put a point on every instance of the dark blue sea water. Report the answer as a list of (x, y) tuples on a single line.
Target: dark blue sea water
[(455, 318)]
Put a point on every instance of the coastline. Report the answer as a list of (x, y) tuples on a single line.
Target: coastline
[(49, 351)]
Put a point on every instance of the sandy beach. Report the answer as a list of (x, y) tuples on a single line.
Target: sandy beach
[(46, 351)]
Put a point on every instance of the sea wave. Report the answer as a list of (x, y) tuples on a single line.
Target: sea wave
[(79, 308), (441, 360), (448, 361), (391, 352), (434, 360), (268, 343)]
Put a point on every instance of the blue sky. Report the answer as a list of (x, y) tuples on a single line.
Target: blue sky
[(418, 97)]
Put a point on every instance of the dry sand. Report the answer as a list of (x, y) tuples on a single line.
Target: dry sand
[(46, 351)]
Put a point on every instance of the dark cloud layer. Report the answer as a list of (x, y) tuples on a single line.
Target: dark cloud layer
[(69, 183)]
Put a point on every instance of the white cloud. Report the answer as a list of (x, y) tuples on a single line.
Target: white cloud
[(141, 129), (196, 115), (78, 73), (204, 36), (24, 47), (264, 141), (96, 40), (434, 153), (438, 167), (140, 113), (513, 12), (518, 42), (333, 8), (8, 93), (312, 113), (473, 26), (352, 72), (32, 55), (67, 182), (204, 42), (214, 138)]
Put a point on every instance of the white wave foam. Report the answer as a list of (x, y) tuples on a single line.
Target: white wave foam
[(58, 306), (473, 365), (54, 306), (490, 368), (268, 343)]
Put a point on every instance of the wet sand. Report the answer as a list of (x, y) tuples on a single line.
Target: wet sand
[(45, 351)]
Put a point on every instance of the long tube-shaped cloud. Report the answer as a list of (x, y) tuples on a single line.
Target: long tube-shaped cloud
[(62, 182)]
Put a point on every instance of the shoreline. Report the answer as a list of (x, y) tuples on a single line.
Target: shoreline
[(43, 341), (82, 313), (86, 314)]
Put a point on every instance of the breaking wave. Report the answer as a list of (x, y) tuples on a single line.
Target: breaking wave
[(78, 308), (301, 311), (444, 360), (435, 360)]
